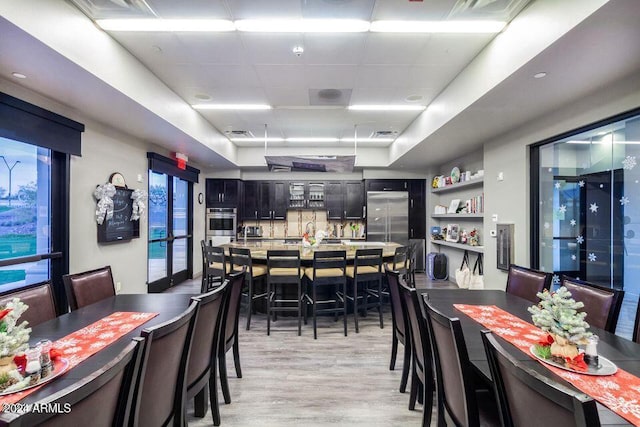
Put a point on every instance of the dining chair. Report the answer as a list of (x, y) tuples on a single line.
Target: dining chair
[(283, 271), (412, 259), (40, 300), (602, 304), (526, 398), (366, 270), (85, 288), (400, 261), (229, 330), (215, 268), (103, 398), (459, 389), (161, 388), (241, 257), (202, 365), (401, 332), (203, 284), (422, 378), (526, 283), (328, 271)]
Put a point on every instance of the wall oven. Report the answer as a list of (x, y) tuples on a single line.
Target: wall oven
[(221, 222)]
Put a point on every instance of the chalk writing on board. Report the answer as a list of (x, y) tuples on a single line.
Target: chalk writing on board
[(120, 227)]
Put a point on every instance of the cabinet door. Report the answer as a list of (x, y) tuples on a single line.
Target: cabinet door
[(213, 190), (354, 200), (266, 194), (229, 194), (279, 200), (417, 209), (251, 200), (334, 200), (387, 185)]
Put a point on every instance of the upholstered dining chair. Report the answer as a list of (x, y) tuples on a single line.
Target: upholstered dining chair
[(601, 304), (85, 288), (459, 391), (366, 272), (284, 270), (40, 300), (161, 388), (401, 333), (328, 271), (526, 283), (422, 378), (103, 398), (202, 366), (241, 257), (526, 398), (229, 330)]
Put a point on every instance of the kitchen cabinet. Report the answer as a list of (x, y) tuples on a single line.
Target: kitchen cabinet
[(387, 184), (334, 200), (417, 209), (222, 193), (354, 206), (250, 201), (306, 195), (273, 201)]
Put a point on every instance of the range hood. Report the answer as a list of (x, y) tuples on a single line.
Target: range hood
[(340, 164)]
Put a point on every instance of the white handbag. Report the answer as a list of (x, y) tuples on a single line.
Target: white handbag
[(476, 281), (463, 274)]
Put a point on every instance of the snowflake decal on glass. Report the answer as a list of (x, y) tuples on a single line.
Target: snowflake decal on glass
[(581, 183), (592, 257), (624, 201), (593, 207), (556, 279), (629, 162), (547, 225), (580, 240), (573, 257), (563, 209), (573, 222), (557, 185)]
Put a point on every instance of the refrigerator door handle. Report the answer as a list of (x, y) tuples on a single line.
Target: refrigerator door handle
[(364, 212)]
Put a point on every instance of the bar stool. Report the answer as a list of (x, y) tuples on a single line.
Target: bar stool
[(216, 268), (283, 268), (328, 271), (241, 257), (400, 261), (366, 268)]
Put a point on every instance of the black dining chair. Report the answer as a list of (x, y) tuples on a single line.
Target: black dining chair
[(40, 300), (422, 378), (328, 271), (229, 330), (401, 333), (365, 276), (526, 282), (103, 398), (528, 399), (461, 396), (284, 271), (203, 358), (215, 268), (161, 386), (85, 288), (241, 257), (601, 304), (400, 261)]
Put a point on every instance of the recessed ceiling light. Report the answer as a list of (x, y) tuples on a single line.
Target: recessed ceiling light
[(156, 49), (158, 24), (231, 107), (18, 75), (302, 25), (386, 107), (298, 50), (202, 97), (413, 98), (437, 26), (540, 75)]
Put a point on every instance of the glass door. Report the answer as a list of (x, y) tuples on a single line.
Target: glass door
[(169, 237)]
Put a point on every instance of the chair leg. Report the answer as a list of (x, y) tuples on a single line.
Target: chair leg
[(344, 306), (250, 302), (394, 351), (200, 404), (213, 395), (236, 358), (268, 308), (315, 325), (355, 304), (414, 391), (299, 307), (406, 363), (427, 405), (380, 302), (224, 383)]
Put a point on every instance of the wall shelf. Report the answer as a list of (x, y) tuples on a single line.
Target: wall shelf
[(462, 216), (478, 249), (452, 187)]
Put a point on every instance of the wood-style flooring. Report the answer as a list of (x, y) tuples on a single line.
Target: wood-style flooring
[(298, 381)]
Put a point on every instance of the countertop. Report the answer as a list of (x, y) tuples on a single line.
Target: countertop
[(259, 248)]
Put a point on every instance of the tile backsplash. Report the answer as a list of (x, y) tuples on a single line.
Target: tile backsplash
[(298, 222)]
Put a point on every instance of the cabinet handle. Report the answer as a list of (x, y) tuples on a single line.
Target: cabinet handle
[(345, 214), (387, 189), (412, 232), (222, 197), (364, 212), (256, 214), (405, 185), (411, 203)]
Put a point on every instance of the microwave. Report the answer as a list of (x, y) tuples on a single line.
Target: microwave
[(221, 221)]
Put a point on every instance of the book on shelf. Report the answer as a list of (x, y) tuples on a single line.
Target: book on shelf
[(475, 204)]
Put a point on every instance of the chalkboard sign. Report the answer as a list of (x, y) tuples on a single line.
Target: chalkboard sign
[(120, 227)]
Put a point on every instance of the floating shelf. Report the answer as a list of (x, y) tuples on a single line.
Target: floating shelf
[(479, 249), (470, 183), (473, 215)]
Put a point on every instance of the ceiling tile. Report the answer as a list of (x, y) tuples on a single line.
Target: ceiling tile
[(372, 95), (407, 10), (189, 9), (333, 48), (272, 48), (458, 49), (207, 76), (386, 48), (282, 75), (287, 95), (337, 9), (330, 76), (252, 9), (374, 76), (214, 48)]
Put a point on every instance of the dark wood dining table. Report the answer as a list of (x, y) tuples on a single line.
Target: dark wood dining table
[(624, 353), (167, 305)]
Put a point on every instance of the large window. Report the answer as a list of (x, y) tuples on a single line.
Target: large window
[(586, 199)]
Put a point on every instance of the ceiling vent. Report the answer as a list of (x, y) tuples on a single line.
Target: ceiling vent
[(329, 97), (239, 134), (487, 9), (384, 134), (103, 9)]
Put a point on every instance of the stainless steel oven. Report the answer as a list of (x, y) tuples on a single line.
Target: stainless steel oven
[(221, 222)]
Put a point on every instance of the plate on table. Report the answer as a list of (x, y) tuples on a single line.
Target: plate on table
[(60, 365), (455, 175), (605, 366)]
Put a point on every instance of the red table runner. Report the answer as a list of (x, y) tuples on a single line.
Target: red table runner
[(619, 392), (87, 341)]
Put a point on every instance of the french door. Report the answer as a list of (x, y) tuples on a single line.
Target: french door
[(170, 238)]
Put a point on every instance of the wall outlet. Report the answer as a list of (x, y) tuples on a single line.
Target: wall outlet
[(494, 217), (492, 233), (118, 287)]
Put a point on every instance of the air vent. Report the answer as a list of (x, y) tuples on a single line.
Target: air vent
[(99, 9), (384, 134), (329, 96), (239, 133), (495, 9)]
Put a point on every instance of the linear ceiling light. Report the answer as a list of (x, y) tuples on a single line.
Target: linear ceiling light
[(303, 25), (312, 139), (367, 140), (231, 107), (437, 26), (270, 139), (160, 25), (365, 107)]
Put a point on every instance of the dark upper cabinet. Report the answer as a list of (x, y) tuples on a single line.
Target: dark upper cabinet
[(265, 195), (334, 199), (354, 206), (222, 193), (387, 184), (417, 209), (250, 200), (273, 198)]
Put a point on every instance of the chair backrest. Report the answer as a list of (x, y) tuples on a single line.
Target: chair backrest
[(420, 343), (215, 268), (278, 259), (601, 304), (40, 300), (401, 259), (103, 398), (325, 263), (241, 257), (206, 333), (85, 288), (232, 307), (526, 283), (162, 384), (398, 312), (454, 377), (367, 261), (526, 398)]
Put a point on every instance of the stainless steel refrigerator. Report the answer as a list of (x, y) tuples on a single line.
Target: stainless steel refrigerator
[(388, 216)]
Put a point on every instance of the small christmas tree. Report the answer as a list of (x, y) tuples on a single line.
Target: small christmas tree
[(557, 313)]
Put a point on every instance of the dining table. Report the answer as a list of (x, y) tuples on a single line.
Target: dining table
[(167, 306), (622, 352)]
